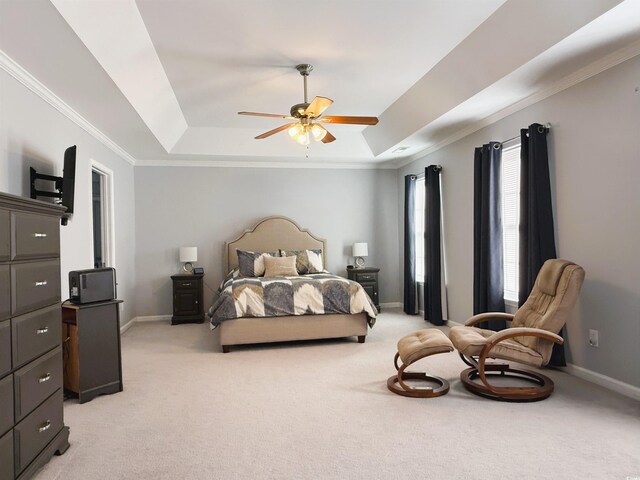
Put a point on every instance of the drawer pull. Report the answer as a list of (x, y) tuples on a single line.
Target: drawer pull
[(186, 284), (45, 426), (40, 235), (42, 331), (41, 284), (44, 378)]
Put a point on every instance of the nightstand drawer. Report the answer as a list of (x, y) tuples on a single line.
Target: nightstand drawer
[(186, 283), (6, 455), (35, 236), (5, 236), (366, 277), (36, 381), (6, 404), (34, 432), (35, 333), (34, 285)]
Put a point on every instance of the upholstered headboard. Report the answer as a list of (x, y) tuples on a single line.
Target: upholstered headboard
[(270, 234)]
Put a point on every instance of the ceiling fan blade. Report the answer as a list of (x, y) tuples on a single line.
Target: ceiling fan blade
[(349, 120), (328, 138), (274, 131), (317, 106), (274, 115)]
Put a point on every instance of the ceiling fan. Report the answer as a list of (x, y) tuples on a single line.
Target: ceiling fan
[(308, 117)]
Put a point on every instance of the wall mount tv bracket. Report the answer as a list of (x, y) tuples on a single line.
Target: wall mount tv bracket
[(43, 193)]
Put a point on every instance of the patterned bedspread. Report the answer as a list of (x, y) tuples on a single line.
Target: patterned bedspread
[(317, 293)]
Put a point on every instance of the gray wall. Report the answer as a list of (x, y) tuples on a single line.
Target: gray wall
[(594, 148), (204, 207), (34, 134)]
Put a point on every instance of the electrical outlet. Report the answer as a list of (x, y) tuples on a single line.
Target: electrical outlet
[(593, 338)]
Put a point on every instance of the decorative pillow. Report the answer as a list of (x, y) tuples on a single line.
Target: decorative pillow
[(307, 261), (280, 267), (251, 264)]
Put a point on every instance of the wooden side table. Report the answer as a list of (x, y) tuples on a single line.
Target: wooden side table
[(188, 305), (368, 278), (91, 352)]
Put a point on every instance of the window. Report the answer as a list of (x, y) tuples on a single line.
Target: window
[(102, 208), (419, 232), (510, 218)]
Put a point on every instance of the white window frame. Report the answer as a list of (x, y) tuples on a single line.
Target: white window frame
[(420, 207), (511, 295), (108, 212)]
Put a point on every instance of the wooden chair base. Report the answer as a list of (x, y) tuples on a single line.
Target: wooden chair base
[(508, 394), (417, 392)]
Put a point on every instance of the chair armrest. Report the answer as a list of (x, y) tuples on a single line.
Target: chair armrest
[(522, 332), (483, 317)]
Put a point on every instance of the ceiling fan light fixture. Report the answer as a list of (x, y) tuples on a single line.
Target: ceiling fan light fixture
[(300, 134), (318, 132)]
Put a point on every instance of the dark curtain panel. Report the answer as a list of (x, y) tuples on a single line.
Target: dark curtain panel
[(537, 239), (432, 243), (488, 275), (410, 289)]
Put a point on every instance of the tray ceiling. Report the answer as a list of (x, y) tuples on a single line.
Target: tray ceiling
[(165, 79)]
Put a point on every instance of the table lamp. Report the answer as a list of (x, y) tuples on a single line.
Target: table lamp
[(188, 255), (360, 250)]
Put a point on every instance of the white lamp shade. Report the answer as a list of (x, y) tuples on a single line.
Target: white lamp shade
[(360, 249), (188, 254)]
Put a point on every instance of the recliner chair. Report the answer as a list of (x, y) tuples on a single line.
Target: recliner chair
[(529, 340)]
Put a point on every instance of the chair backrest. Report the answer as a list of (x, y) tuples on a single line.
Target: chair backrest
[(554, 295)]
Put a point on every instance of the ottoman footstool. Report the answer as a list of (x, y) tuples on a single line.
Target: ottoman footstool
[(412, 348)]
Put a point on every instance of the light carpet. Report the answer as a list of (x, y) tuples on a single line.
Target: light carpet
[(321, 410)]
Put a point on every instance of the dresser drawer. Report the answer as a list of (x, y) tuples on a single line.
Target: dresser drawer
[(5, 347), (6, 404), (34, 432), (6, 456), (36, 381), (5, 236), (35, 236), (35, 333), (5, 292), (366, 277), (34, 285)]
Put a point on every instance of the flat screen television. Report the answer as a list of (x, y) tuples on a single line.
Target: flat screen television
[(64, 185), (69, 178)]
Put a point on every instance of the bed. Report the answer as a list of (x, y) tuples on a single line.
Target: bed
[(273, 234)]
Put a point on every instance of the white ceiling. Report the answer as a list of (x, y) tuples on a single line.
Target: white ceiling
[(164, 79)]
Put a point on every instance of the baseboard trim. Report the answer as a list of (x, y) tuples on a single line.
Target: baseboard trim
[(153, 318), (391, 305), (146, 318), (603, 380), (127, 326)]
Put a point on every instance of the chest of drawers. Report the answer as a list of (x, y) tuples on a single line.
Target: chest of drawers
[(31, 421)]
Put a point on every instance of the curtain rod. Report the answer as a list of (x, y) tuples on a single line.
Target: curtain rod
[(438, 168), (547, 127)]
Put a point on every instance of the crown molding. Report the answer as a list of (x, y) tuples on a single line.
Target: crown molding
[(266, 164), (608, 61), (33, 84)]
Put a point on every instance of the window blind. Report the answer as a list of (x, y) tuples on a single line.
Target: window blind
[(419, 231), (510, 219)]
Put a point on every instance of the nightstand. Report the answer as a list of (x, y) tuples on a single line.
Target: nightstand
[(187, 299), (368, 278)]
